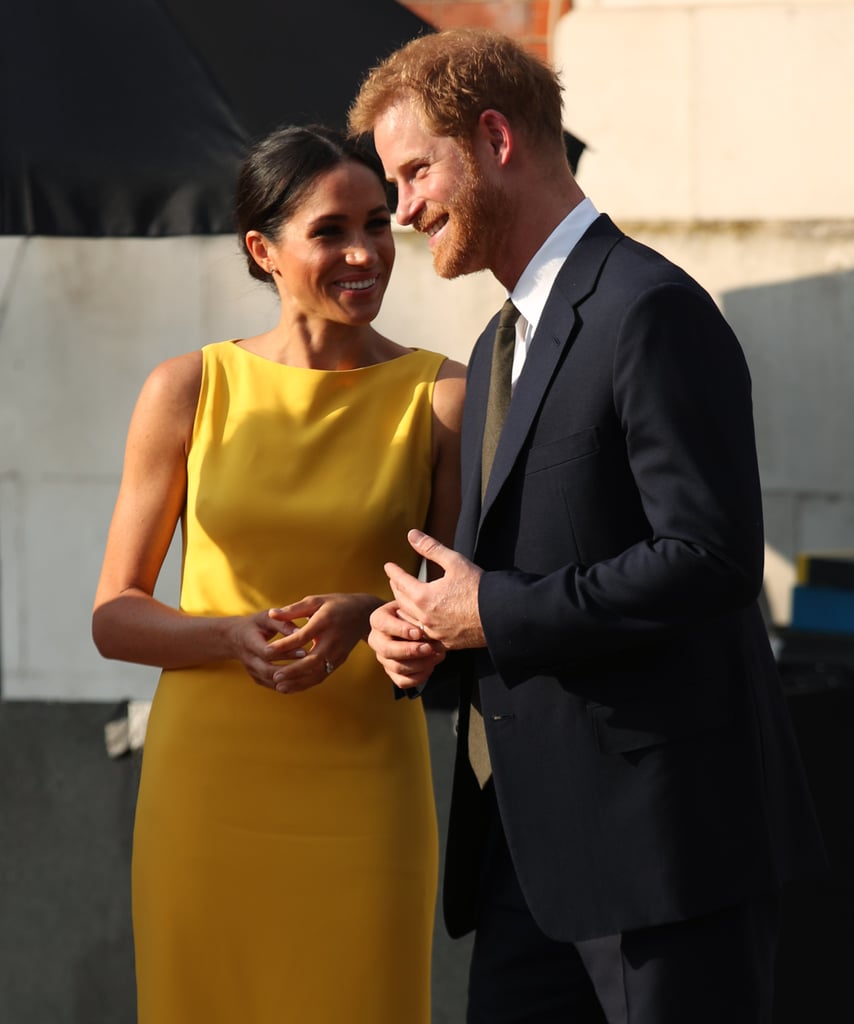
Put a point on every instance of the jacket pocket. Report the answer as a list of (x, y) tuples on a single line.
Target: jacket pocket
[(563, 449), (641, 723)]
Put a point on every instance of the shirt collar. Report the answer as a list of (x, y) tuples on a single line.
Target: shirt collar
[(533, 287)]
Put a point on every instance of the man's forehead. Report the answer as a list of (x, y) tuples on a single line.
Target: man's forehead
[(400, 136)]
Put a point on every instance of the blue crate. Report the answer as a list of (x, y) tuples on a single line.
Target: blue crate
[(823, 609)]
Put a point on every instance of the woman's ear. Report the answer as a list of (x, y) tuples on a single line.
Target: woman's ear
[(260, 250)]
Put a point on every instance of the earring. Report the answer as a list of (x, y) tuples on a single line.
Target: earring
[(271, 271)]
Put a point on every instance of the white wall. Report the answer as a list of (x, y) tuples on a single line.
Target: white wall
[(81, 324), (721, 134), (713, 111)]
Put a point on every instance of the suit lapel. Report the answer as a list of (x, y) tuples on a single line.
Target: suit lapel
[(556, 331)]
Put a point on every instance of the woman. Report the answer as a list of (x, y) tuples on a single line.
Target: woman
[(284, 862)]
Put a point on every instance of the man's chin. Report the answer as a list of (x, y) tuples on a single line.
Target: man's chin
[(447, 273), (449, 268)]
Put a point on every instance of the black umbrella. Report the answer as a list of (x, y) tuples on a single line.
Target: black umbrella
[(130, 117)]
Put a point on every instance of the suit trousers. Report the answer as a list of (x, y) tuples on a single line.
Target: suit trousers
[(707, 970)]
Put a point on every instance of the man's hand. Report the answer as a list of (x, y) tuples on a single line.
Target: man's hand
[(402, 649), (445, 609)]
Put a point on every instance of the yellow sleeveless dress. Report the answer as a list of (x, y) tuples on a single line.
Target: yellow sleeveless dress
[(285, 846)]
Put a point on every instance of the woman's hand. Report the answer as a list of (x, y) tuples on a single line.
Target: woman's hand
[(307, 652), (258, 641)]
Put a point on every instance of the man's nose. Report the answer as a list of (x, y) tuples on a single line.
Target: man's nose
[(407, 205)]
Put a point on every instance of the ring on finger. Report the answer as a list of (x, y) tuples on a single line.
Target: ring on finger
[(330, 668)]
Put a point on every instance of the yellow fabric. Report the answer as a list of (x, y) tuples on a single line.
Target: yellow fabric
[(285, 849)]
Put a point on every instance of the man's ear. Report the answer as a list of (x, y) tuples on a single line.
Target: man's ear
[(494, 129)]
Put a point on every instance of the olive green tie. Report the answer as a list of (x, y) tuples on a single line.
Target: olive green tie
[(497, 404), (499, 387)]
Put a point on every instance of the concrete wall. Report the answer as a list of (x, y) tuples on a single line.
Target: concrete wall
[(81, 324), (715, 110), (720, 134)]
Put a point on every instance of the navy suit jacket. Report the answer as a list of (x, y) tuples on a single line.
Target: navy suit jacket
[(643, 761)]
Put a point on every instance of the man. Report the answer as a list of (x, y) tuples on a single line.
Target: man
[(621, 848)]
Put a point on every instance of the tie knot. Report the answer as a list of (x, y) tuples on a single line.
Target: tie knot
[(508, 315)]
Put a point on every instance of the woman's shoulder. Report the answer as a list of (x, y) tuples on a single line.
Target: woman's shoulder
[(446, 376), (449, 392), (451, 370), (174, 384), (441, 363)]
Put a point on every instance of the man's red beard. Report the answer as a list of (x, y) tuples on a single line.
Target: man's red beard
[(476, 214)]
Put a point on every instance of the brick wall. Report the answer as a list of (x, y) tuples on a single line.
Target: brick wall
[(529, 21)]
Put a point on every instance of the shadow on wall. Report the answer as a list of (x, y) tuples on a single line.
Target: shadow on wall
[(66, 813), (797, 336)]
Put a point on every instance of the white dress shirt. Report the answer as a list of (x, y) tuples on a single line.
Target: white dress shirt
[(533, 287)]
